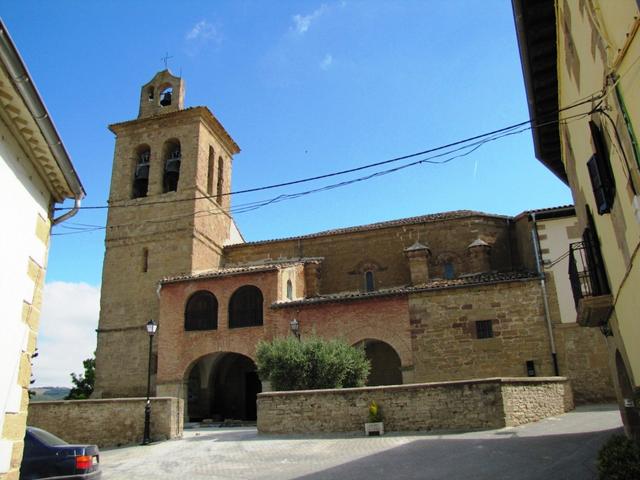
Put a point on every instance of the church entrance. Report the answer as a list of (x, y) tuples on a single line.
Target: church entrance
[(223, 386), (385, 363)]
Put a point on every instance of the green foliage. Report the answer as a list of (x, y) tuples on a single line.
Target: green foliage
[(619, 459), (375, 412), (83, 384), (290, 364)]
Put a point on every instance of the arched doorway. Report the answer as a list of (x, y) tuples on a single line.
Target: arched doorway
[(385, 363), (223, 386), (628, 411)]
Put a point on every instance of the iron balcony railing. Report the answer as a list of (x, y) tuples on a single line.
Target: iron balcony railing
[(586, 272)]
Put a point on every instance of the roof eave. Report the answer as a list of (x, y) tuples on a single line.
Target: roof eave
[(541, 78)]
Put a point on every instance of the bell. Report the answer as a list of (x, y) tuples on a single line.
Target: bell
[(142, 171), (172, 165), (166, 99)]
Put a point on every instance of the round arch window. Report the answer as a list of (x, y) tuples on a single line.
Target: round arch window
[(245, 307), (201, 312)]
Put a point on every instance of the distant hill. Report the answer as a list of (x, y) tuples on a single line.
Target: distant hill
[(47, 394)]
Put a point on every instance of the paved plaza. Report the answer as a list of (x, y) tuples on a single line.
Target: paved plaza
[(563, 447)]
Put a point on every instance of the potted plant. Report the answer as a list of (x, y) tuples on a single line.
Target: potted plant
[(375, 425)]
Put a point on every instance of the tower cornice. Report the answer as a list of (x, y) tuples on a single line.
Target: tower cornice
[(203, 113)]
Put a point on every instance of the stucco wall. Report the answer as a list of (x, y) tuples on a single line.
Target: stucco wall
[(107, 423), (23, 256), (460, 405)]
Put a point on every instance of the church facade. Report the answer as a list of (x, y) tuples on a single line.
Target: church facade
[(446, 296)]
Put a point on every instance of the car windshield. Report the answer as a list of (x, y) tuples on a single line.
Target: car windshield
[(46, 437)]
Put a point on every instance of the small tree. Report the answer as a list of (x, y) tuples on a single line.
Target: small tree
[(83, 384), (290, 364)]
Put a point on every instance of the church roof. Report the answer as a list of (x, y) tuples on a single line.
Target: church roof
[(240, 270), (430, 218), (465, 281)]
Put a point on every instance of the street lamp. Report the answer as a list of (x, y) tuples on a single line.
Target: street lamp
[(151, 327), (295, 328)]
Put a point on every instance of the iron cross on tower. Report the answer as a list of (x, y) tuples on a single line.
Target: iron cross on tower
[(165, 59)]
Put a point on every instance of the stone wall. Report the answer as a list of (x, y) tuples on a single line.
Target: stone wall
[(347, 254), (461, 405), (108, 423)]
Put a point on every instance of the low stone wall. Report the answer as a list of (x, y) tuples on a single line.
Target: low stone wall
[(460, 405), (108, 422)]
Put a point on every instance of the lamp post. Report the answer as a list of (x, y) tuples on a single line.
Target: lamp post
[(295, 328), (151, 327)]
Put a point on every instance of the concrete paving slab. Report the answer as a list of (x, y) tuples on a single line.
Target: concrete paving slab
[(562, 447)]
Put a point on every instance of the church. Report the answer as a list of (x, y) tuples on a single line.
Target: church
[(445, 296)]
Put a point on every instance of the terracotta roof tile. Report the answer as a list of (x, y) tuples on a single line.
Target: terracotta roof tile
[(433, 217), (239, 270), (435, 284)]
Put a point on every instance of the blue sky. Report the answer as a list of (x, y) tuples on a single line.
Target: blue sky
[(305, 88)]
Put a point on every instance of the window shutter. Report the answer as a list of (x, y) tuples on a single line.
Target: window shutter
[(600, 172)]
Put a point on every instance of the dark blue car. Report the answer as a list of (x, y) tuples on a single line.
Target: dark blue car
[(47, 456)]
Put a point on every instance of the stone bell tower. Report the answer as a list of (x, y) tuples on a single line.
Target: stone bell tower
[(168, 214)]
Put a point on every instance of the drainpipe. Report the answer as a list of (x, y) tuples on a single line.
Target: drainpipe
[(545, 298), (17, 70)]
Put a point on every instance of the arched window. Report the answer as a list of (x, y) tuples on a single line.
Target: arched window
[(289, 290), (172, 159), (211, 171), (449, 271), (369, 285), (245, 307), (141, 174), (220, 180), (201, 312), (151, 93)]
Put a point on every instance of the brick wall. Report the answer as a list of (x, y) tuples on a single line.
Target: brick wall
[(461, 405), (107, 423)]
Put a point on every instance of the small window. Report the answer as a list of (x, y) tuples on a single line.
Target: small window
[(600, 172), (211, 171), (449, 271), (220, 180), (369, 285), (173, 158), (484, 329), (289, 290), (151, 93), (201, 312), (145, 260), (245, 307)]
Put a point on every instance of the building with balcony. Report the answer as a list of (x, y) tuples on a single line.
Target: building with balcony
[(581, 65)]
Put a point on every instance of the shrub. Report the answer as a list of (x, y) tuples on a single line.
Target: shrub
[(619, 459), (290, 364)]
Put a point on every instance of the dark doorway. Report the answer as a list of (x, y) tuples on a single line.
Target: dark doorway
[(223, 386), (385, 363)]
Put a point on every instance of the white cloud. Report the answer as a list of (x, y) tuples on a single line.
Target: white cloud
[(326, 62), (67, 331), (203, 30), (301, 23)]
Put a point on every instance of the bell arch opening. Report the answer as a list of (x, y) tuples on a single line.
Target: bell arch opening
[(385, 363), (222, 386)]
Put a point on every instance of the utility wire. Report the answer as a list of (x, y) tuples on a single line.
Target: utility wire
[(243, 208)]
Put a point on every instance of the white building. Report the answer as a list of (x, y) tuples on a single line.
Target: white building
[(35, 173)]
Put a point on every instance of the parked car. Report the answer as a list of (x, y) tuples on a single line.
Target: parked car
[(47, 456)]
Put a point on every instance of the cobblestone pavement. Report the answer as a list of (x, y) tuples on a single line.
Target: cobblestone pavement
[(563, 447)]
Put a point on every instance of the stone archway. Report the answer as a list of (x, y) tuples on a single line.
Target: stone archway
[(385, 363), (222, 386), (628, 410)]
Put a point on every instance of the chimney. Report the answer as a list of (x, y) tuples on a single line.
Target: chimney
[(418, 257), (479, 253)]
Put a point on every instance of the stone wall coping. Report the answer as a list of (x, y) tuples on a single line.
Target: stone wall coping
[(414, 386), (105, 400)]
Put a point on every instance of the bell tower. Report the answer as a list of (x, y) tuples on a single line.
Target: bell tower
[(168, 215)]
